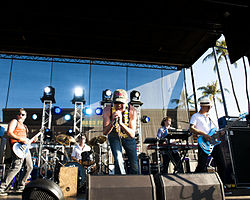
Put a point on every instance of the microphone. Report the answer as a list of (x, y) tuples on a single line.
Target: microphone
[(115, 121)]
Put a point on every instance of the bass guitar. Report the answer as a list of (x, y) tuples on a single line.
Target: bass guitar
[(208, 146), (21, 150)]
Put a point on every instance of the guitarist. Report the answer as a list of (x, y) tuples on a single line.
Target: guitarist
[(201, 124), (17, 132)]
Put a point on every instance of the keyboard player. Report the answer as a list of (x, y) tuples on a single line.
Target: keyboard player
[(169, 154)]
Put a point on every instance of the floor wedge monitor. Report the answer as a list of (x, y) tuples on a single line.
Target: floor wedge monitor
[(122, 187), (189, 186)]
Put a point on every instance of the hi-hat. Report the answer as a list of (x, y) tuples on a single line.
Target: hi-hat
[(101, 139), (97, 140)]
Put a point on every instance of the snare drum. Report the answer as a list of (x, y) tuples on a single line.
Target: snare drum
[(87, 158), (81, 172)]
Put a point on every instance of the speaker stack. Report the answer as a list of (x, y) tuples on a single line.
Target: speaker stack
[(240, 148)]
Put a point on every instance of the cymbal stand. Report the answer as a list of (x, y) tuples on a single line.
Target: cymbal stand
[(100, 158), (158, 156), (101, 162)]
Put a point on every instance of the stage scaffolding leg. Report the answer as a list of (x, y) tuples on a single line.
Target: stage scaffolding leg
[(78, 117), (138, 127), (46, 123)]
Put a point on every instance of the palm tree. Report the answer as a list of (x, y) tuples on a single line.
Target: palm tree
[(181, 103), (211, 91), (222, 53)]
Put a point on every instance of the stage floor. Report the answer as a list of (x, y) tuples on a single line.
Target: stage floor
[(236, 193)]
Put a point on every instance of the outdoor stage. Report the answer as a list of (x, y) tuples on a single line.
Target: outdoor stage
[(234, 193)]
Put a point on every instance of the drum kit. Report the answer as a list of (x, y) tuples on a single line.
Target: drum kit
[(55, 156)]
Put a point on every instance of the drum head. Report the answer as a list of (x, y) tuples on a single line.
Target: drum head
[(81, 172)]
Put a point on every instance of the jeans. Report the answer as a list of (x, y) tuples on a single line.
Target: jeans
[(16, 166), (218, 158), (175, 159), (129, 144)]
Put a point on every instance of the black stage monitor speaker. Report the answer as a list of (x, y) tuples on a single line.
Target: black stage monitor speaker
[(239, 141), (189, 186), (41, 189), (122, 187)]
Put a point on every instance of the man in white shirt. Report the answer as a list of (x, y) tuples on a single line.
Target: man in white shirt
[(201, 124), (78, 149)]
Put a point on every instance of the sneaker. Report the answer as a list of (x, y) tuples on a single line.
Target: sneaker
[(3, 193), (19, 190)]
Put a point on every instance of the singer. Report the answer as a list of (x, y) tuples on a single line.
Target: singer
[(119, 123)]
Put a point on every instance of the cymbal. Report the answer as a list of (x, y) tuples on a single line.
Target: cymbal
[(101, 139), (93, 141), (71, 139), (65, 139), (97, 140)]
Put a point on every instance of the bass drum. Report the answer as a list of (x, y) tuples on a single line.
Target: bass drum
[(81, 172), (87, 158)]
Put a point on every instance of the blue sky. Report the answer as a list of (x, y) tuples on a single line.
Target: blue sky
[(204, 74)]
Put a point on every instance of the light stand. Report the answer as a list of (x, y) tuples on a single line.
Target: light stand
[(78, 100), (48, 99), (136, 103)]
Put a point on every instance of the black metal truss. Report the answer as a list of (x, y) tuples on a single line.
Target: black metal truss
[(87, 61)]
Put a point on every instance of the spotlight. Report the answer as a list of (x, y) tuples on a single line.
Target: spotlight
[(78, 95), (48, 135), (34, 116), (49, 94), (70, 132), (67, 117), (57, 110), (135, 97), (87, 111), (145, 119), (98, 111), (106, 96)]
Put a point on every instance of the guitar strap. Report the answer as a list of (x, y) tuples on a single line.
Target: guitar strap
[(211, 122)]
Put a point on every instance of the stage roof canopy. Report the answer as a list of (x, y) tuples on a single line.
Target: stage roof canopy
[(174, 33)]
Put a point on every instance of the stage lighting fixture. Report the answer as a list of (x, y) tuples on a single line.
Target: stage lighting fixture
[(57, 110), (70, 132), (87, 111), (98, 111), (49, 94), (67, 117), (135, 95), (48, 135), (107, 96), (145, 119), (78, 95), (34, 116)]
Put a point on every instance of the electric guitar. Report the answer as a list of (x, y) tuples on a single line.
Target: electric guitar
[(208, 146), (21, 150)]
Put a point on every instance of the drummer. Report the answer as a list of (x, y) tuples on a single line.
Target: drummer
[(76, 154)]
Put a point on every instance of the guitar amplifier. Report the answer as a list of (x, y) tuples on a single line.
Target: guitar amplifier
[(239, 143), (224, 121)]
